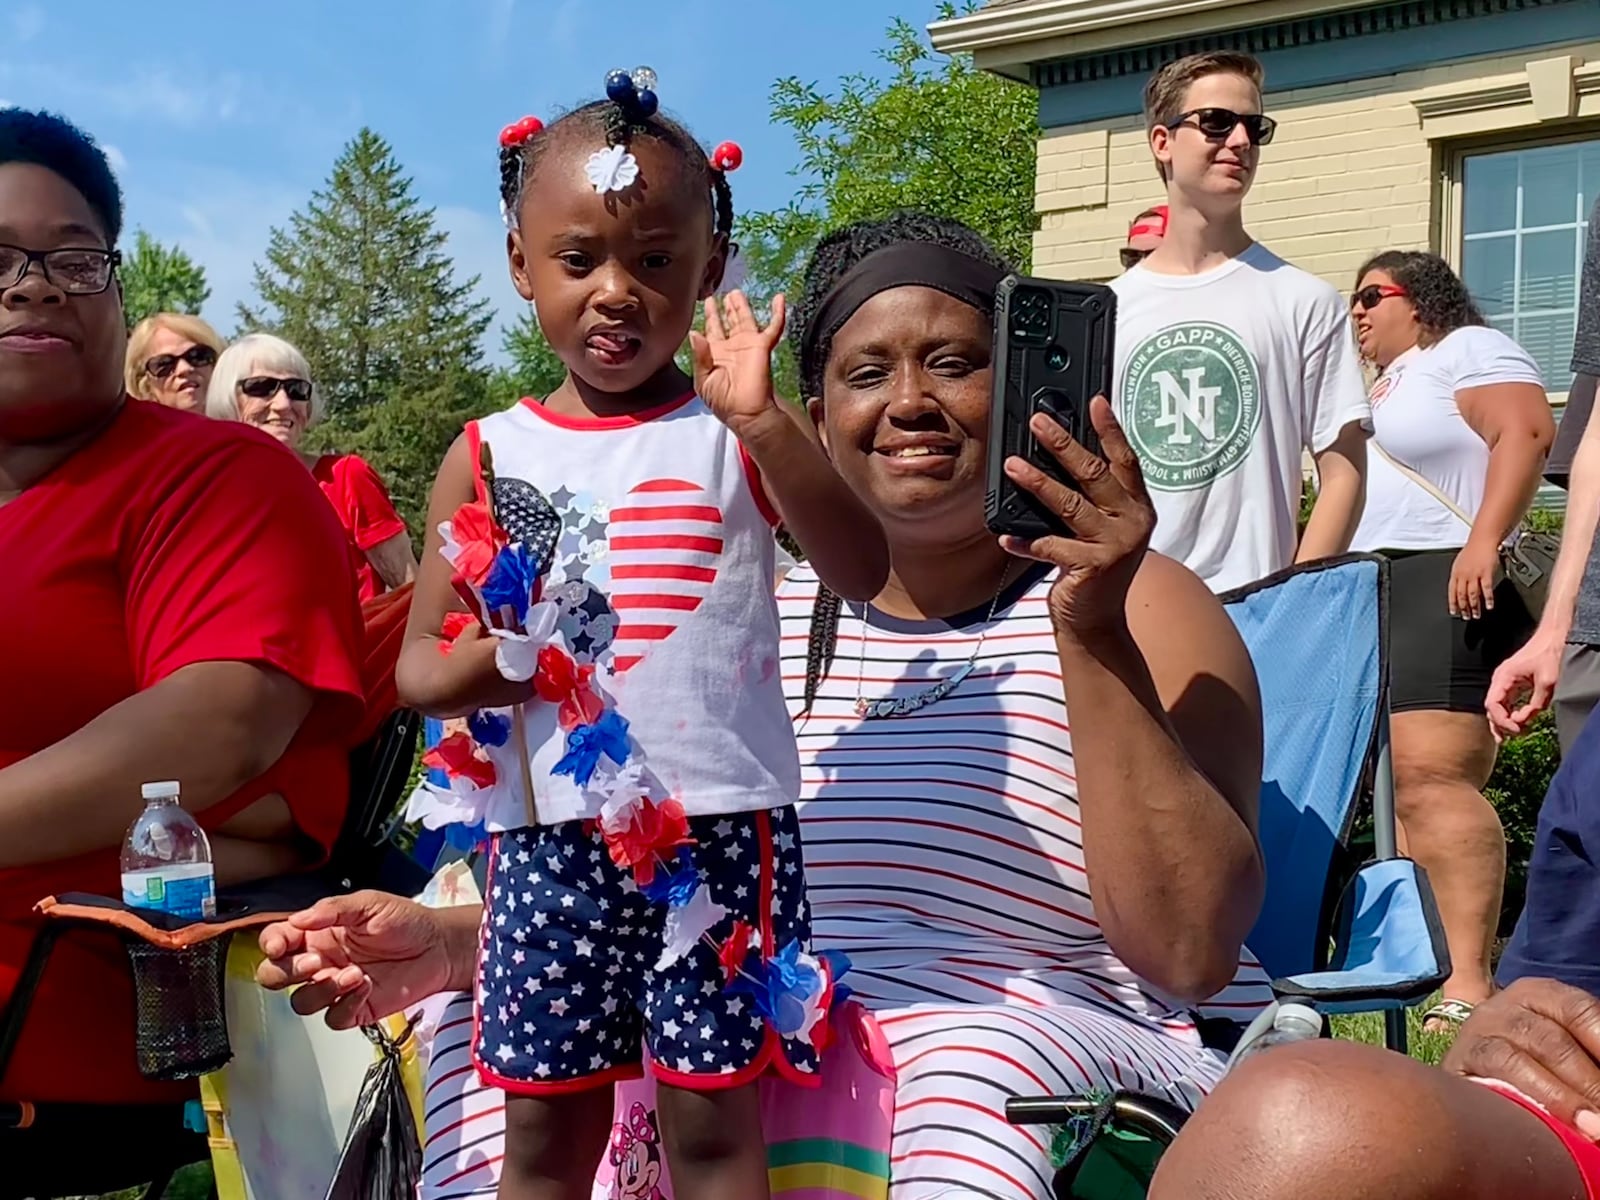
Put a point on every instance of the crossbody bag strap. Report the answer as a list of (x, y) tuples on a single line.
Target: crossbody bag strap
[(1417, 478)]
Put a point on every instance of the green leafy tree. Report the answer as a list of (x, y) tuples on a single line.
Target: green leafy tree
[(361, 282), (158, 278), (533, 368), (933, 133)]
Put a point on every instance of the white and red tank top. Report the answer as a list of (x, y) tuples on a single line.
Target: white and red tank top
[(661, 554)]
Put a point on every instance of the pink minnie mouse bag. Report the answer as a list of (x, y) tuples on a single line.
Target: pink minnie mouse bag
[(824, 1143)]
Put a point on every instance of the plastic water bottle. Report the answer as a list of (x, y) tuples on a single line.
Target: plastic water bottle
[(166, 858), (1292, 1023)]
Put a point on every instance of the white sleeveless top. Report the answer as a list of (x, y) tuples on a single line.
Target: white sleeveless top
[(661, 553)]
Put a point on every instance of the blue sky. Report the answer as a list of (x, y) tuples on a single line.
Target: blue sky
[(221, 118)]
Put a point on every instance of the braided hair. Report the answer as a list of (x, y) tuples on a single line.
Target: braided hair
[(619, 126), (834, 258)]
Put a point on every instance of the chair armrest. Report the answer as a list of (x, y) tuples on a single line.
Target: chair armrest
[(1389, 946)]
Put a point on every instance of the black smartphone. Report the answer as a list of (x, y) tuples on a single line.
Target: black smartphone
[(1053, 348)]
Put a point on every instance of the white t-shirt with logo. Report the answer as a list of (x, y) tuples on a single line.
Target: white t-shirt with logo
[(1223, 381), (1416, 422)]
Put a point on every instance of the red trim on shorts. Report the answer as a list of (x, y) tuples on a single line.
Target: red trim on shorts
[(1585, 1154), (558, 1087), (770, 1057), (491, 1077)]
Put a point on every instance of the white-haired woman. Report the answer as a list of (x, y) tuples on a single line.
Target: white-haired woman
[(263, 381)]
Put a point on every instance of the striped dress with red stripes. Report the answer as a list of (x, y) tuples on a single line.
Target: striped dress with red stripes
[(944, 855)]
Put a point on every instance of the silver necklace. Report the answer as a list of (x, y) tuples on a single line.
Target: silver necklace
[(877, 710)]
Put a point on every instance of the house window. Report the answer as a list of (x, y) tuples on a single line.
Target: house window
[(1524, 214)]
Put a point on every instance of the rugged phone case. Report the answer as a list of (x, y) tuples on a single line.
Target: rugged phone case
[(1053, 346)]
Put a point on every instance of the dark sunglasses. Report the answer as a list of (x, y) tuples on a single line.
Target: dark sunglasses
[(1216, 124), (78, 272), (1131, 258), (265, 387), (1374, 294), (163, 365)]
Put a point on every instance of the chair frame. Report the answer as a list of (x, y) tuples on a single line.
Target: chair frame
[(1374, 782)]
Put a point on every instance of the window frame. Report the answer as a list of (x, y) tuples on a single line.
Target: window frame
[(1452, 233)]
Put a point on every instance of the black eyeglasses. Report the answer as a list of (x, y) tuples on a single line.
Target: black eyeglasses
[(1131, 258), (265, 387), (76, 271), (1217, 123), (162, 365)]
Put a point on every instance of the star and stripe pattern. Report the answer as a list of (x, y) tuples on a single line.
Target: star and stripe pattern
[(570, 981), (664, 545)]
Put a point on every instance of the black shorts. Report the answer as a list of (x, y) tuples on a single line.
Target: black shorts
[(1438, 662)]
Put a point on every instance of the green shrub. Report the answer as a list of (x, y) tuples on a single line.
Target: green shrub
[(1516, 790)]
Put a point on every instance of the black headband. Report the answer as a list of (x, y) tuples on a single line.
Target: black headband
[(904, 264)]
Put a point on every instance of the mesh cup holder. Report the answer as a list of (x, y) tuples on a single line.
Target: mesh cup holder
[(181, 1027)]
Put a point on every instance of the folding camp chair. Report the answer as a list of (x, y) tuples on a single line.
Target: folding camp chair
[(1318, 636), (42, 1146)]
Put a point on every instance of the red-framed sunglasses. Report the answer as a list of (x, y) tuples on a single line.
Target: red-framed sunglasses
[(1373, 294)]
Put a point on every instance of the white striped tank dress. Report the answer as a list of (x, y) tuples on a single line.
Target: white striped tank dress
[(943, 855)]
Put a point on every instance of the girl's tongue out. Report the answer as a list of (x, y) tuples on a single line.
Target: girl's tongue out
[(612, 347)]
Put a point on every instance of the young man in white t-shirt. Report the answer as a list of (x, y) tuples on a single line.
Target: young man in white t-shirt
[(1230, 362)]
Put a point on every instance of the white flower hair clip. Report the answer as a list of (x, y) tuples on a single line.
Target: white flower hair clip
[(613, 169)]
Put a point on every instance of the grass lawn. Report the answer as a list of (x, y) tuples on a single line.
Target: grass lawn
[(1368, 1027)]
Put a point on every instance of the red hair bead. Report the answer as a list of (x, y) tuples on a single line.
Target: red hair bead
[(515, 135), (727, 157)]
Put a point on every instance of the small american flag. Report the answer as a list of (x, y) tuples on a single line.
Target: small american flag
[(663, 550)]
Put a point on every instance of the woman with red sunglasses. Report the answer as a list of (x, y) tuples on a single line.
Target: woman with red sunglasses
[(263, 381), (1461, 426)]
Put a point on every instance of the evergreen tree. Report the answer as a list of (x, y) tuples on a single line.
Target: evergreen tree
[(157, 278), (360, 281)]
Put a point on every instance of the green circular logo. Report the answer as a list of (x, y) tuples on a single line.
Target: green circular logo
[(1191, 403)]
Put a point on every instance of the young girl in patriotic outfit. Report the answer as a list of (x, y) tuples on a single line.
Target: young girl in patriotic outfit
[(596, 601)]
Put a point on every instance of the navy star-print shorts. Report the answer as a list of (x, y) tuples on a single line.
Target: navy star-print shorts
[(569, 993)]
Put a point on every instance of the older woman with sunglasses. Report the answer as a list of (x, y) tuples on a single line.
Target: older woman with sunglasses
[(170, 357), (263, 381), (1461, 427)]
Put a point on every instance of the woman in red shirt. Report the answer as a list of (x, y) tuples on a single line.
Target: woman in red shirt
[(177, 603), (264, 381)]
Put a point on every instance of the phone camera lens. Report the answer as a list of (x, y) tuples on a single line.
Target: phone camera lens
[(1056, 358)]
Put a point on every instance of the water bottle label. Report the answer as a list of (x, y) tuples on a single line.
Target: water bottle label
[(193, 896)]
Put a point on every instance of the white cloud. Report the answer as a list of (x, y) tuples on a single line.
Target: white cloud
[(27, 23), (498, 30), (223, 224), (564, 29), (136, 95), (117, 159)]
